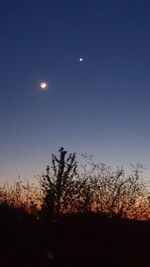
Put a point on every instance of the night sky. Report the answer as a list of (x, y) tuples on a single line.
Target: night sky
[(99, 105)]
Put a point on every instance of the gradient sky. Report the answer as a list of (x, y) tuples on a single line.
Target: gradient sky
[(100, 106)]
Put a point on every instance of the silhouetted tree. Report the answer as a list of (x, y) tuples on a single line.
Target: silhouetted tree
[(58, 182)]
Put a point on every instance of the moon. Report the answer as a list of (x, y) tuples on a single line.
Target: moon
[(43, 85)]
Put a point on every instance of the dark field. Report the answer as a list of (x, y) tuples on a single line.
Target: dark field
[(72, 240)]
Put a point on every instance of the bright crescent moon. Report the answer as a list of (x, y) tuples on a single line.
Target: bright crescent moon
[(43, 85)]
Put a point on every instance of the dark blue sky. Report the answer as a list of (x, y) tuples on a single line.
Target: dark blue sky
[(100, 106)]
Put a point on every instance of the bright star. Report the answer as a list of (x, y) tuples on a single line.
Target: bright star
[(81, 59)]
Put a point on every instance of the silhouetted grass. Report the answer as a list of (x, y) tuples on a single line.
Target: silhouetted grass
[(20, 195)]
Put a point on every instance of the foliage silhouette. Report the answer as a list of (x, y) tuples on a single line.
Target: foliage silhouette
[(94, 204), (96, 188), (68, 188)]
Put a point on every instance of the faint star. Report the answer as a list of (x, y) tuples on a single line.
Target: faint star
[(58, 24)]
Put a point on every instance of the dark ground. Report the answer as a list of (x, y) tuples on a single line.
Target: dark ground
[(72, 241)]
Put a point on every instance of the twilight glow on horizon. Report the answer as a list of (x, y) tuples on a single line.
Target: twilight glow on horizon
[(73, 74)]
